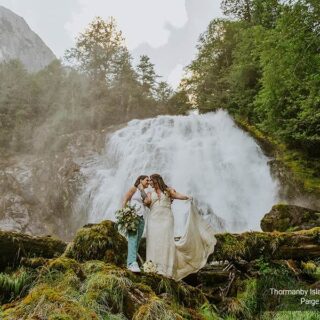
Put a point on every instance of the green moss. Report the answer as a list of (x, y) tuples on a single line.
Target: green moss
[(155, 309), (309, 266), (248, 297), (178, 291), (61, 316), (304, 170), (235, 307), (229, 246), (144, 288), (44, 301), (34, 262), (291, 315), (247, 245), (107, 289), (253, 244), (209, 312), (98, 242), (64, 264)]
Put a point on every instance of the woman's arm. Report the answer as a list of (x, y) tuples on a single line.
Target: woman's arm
[(176, 195), (128, 196)]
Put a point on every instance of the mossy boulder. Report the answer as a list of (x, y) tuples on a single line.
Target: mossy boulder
[(284, 217), (14, 246), (98, 242)]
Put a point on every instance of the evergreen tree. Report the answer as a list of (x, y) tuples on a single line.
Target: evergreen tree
[(146, 75), (163, 92)]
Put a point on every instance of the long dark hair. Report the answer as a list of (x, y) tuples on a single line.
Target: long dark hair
[(157, 179), (142, 177)]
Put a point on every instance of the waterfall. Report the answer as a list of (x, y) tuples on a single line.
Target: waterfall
[(206, 156)]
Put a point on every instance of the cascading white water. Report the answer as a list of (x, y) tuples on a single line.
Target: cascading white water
[(206, 156)]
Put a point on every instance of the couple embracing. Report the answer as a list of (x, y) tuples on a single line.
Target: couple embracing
[(173, 259)]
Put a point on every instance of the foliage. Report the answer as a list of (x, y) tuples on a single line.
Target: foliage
[(96, 87), (66, 289), (209, 313), (15, 285), (263, 66), (146, 75), (99, 50)]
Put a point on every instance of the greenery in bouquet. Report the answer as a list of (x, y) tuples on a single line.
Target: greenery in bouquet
[(127, 219)]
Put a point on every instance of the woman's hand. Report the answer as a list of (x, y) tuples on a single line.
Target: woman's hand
[(147, 201)]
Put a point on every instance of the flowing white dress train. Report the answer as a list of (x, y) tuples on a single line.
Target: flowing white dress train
[(177, 259)]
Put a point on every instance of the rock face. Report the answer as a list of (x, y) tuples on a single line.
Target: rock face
[(38, 190), (36, 194), (283, 217), (18, 41)]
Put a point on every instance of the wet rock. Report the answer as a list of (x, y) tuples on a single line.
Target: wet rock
[(39, 190), (37, 195), (283, 217)]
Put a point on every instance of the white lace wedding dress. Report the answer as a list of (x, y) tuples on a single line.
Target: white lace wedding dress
[(177, 259)]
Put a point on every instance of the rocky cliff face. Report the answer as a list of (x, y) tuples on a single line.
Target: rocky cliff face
[(18, 41), (37, 191)]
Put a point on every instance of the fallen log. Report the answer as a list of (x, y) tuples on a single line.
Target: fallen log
[(14, 246), (298, 245)]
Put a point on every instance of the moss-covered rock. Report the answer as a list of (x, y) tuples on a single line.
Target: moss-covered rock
[(14, 246), (251, 245), (298, 173), (284, 217), (98, 242), (33, 263)]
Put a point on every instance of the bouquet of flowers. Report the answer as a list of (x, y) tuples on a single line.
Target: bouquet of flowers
[(149, 266), (127, 219)]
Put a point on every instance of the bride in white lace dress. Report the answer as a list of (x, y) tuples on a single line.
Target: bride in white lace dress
[(175, 259)]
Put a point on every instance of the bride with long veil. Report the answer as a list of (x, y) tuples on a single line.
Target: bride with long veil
[(175, 259)]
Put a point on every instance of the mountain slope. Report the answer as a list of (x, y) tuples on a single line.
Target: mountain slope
[(18, 41)]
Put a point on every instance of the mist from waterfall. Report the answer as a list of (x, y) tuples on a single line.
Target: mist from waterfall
[(206, 156)]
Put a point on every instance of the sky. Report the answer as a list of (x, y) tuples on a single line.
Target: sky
[(166, 30)]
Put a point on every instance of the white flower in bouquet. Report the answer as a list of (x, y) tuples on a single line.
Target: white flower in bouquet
[(149, 267), (127, 219)]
